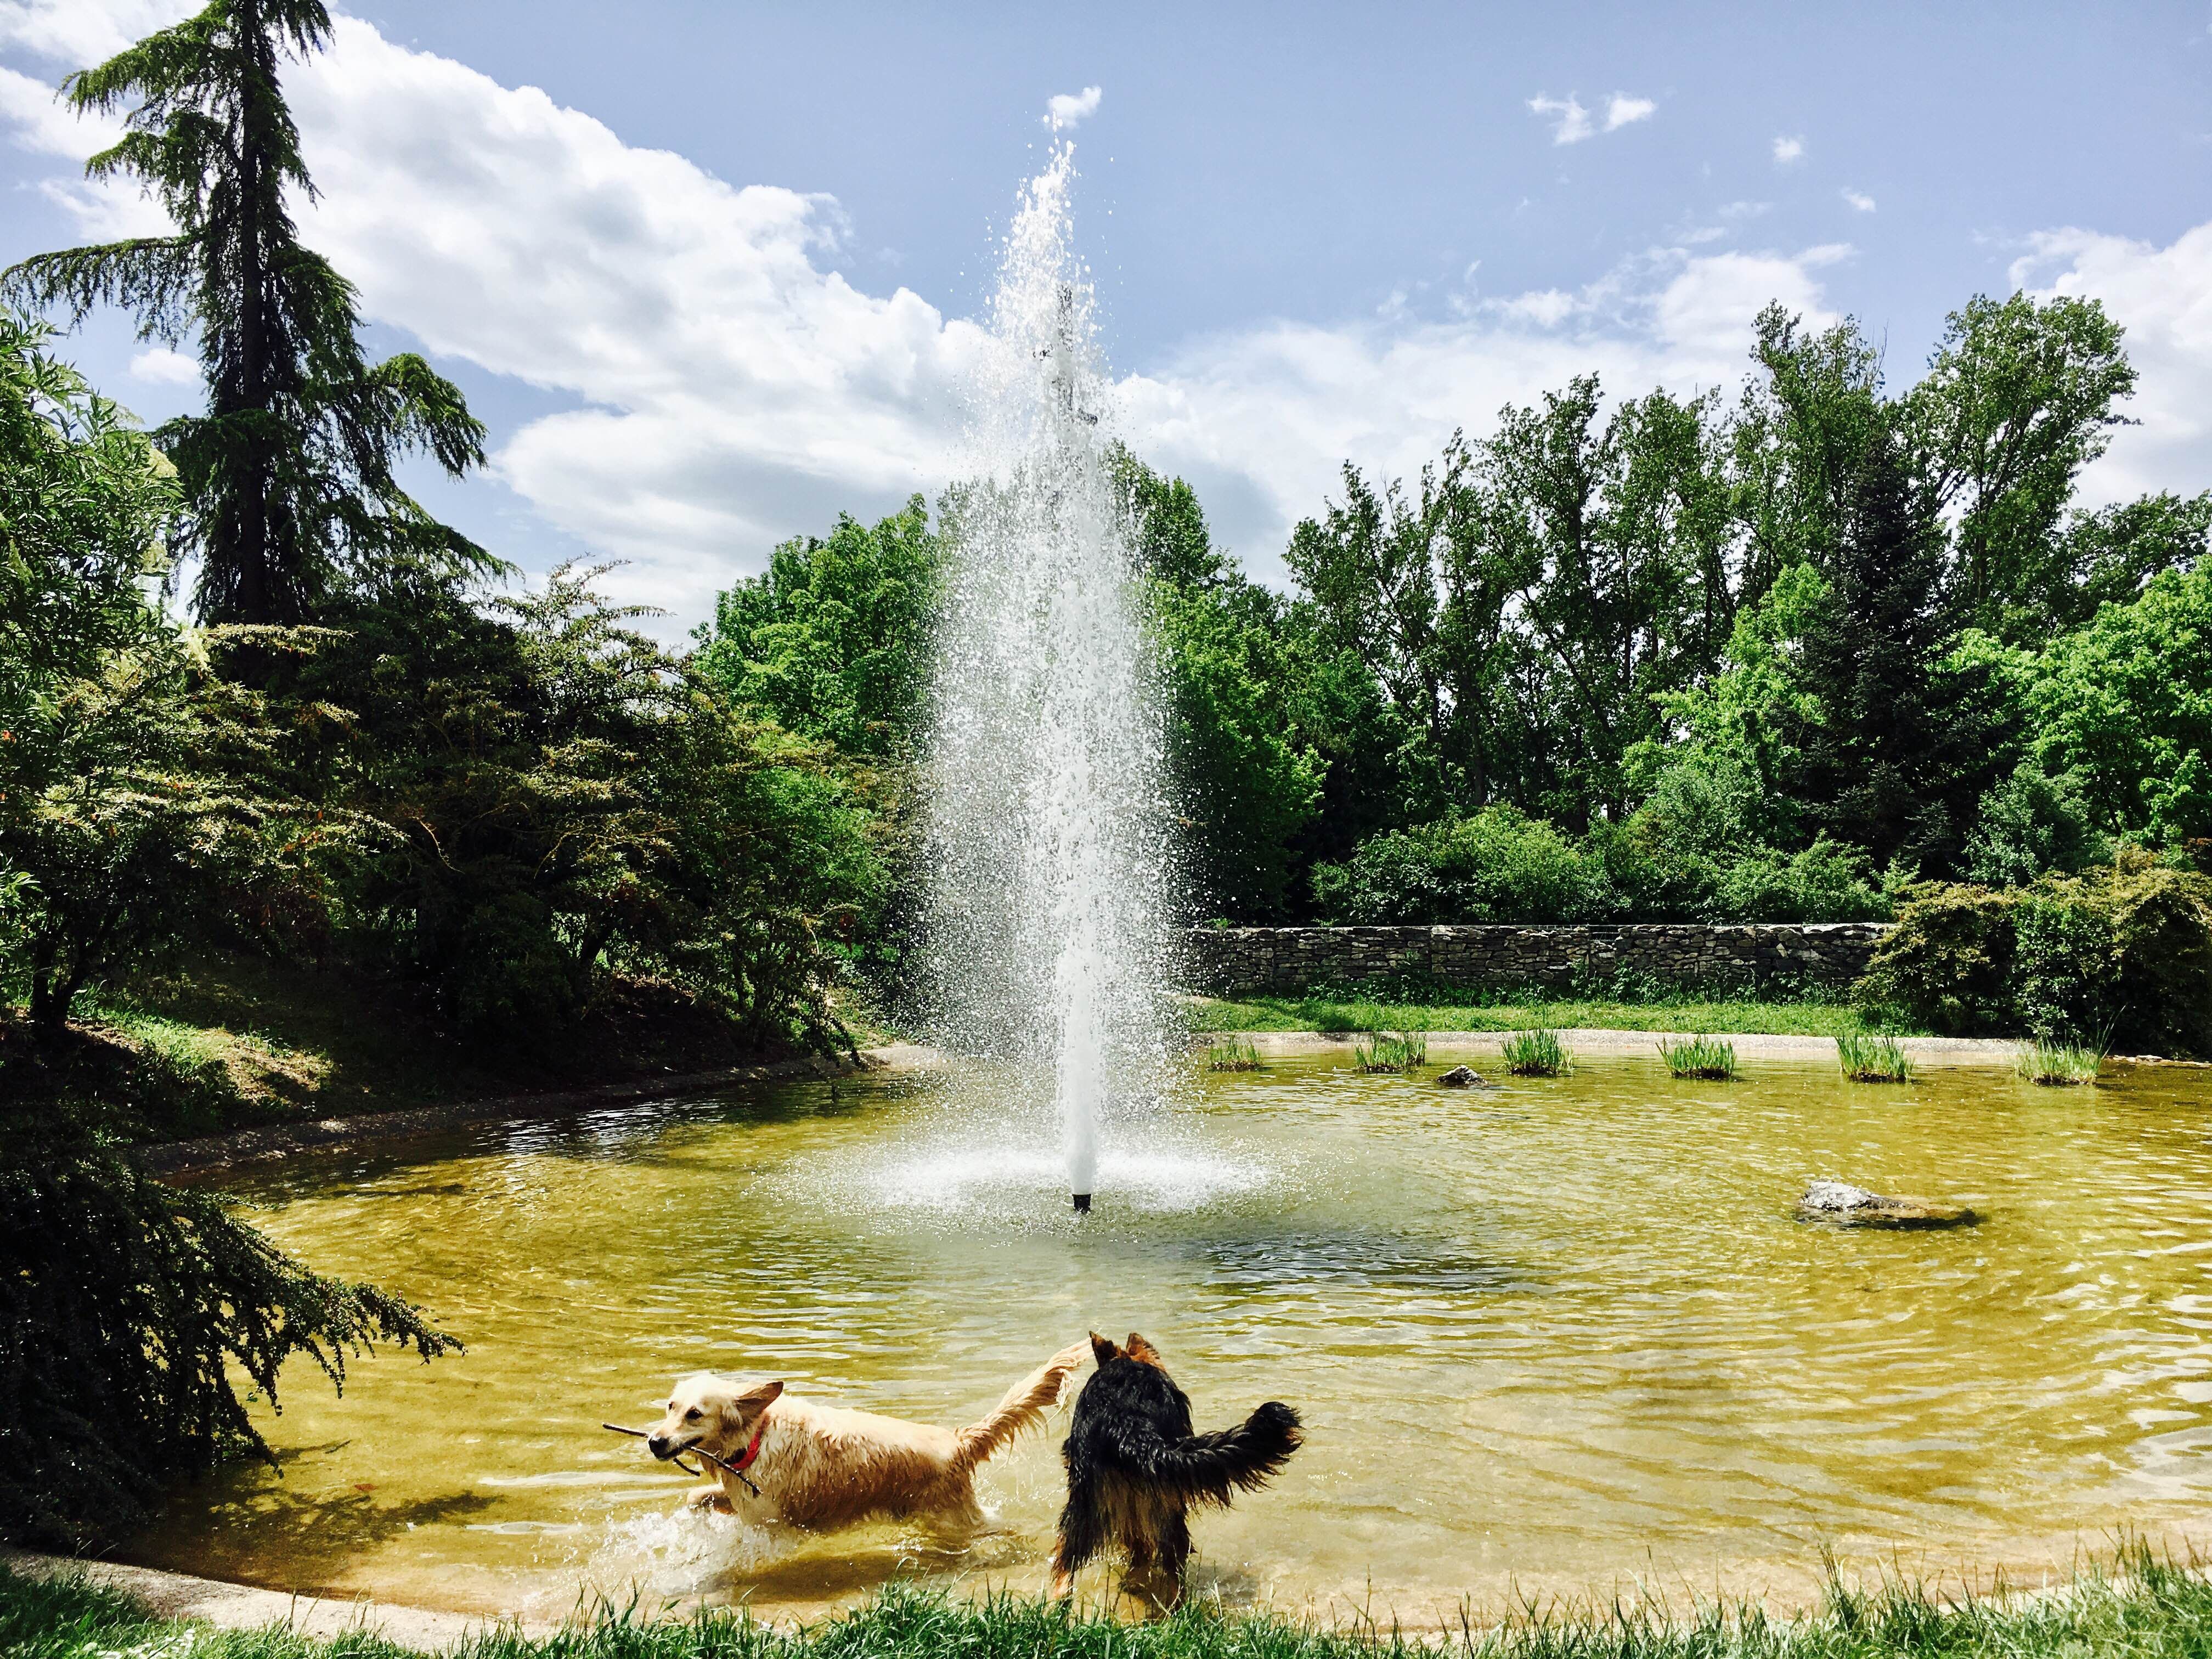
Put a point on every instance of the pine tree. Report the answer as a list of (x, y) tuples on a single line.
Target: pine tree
[(287, 477), (1901, 746)]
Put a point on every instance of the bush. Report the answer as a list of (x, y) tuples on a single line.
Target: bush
[(2122, 955), (125, 1305), (1498, 865)]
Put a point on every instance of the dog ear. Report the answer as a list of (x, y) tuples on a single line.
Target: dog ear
[(1102, 1350), (1141, 1350), (761, 1398)]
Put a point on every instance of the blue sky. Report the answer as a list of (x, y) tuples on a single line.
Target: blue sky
[(707, 269)]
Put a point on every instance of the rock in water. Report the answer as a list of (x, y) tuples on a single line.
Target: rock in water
[(1464, 1077), (1855, 1206)]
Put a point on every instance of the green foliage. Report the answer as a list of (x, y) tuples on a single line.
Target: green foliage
[(127, 1304), (1864, 1058), (1497, 865), (287, 478), (564, 802), (2031, 824), (2123, 953), (1710, 1059), (832, 640), (2124, 708), (1536, 1052)]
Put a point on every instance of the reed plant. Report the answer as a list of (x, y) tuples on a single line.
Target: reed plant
[(1537, 1052), (1391, 1051), (2058, 1064), (1710, 1059), (1234, 1054), (1873, 1059)]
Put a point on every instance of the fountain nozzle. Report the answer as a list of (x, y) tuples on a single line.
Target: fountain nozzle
[(1082, 1203)]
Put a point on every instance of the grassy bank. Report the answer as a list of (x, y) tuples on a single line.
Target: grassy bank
[(1447, 1010), (230, 1043), (2154, 1610)]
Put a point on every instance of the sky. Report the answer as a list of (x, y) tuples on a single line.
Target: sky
[(712, 274)]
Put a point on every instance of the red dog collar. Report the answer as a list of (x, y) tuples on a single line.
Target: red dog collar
[(752, 1450)]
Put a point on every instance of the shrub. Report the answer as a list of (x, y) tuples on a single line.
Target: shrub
[(2124, 953), (1947, 963), (130, 1312), (1498, 865), (1709, 1058)]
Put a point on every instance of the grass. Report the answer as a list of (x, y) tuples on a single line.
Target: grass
[(1390, 1051), (1873, 1059), (1451, 1010), (1536, 1052), (1234, 1054), (2059, 1064), (2139, 1607), (1707, 1058)]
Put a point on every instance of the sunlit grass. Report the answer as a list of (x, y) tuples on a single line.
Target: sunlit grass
[(2058, 1064), (1707, 1058), (1390, 1051), (1536, 1052), (2139, 1607), (1453, 1011), (1873, 1059), (1233, 1053)]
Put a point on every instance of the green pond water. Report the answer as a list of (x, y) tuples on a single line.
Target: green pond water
[(1560, 1336)]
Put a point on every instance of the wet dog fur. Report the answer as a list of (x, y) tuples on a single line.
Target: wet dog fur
[(1135, 1468), (824, 1467)]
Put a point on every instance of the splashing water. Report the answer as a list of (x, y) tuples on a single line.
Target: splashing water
[(1049, 853)]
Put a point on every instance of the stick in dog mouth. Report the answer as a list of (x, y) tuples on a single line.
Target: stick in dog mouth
[(646, 1434)]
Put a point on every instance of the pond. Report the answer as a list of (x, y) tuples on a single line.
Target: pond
[(1562, 1335)]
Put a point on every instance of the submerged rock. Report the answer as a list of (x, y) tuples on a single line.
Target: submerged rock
[(1855, 1206), (1464, 1077)]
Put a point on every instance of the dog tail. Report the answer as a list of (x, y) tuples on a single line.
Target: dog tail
[(1209, 1469), (1023, 1407)]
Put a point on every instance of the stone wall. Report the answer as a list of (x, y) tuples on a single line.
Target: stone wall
[(1231, 961)]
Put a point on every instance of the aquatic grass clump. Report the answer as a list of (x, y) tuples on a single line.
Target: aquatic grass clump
[(1536, 1052), (2058, 1064), (1236, 1054), (1708, 1059), (1391, 1051), (1866, 1059)]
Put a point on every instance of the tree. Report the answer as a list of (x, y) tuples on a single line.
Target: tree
[(136, 812), (832, 640), (2124, 708), (1895, 752), (2018, 399), (565, 804), (287, 478)]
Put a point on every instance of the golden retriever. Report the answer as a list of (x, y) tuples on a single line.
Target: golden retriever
[(823, 1466)]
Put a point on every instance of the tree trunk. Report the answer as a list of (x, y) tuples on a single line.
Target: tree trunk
[(51, 992)]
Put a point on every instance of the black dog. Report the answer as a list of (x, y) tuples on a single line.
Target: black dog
[(1134, 1468)]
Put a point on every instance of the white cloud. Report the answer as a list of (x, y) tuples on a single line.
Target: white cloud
[(163, 366), (1621, 109), (2163, 297), (1745, 210), (1787, 150), (1573, 122), (1064, 109), (78, 33), (1860, 200)]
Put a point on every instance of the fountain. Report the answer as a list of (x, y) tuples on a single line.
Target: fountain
[(1049, 853)]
